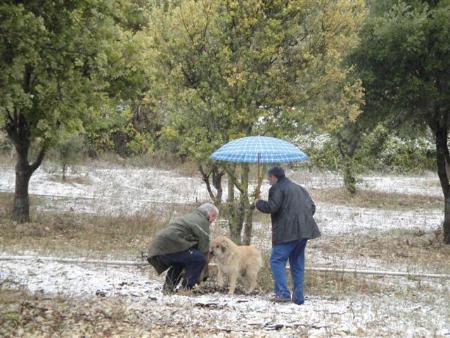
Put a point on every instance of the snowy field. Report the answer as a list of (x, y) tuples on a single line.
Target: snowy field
[(411, 309), (128, 190), (131, 190)]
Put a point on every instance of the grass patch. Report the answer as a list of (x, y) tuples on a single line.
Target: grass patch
[(338, 285), (376, 199), (411, 248), (324, 284), (329, 284), (6, 204), (82, 234)]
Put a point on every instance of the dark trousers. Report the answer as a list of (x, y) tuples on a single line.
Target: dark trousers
[(192, 261)]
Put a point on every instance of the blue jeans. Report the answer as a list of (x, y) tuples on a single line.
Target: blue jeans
[(295, 252), (192, 261)]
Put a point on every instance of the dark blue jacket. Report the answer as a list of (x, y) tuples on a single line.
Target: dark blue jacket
[(291, 209)]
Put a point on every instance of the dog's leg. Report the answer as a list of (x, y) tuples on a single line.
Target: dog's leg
[(233, 279), (220, 281), (252, 280), (204, 275)]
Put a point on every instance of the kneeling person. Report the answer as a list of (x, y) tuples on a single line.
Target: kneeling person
[(183, 245)]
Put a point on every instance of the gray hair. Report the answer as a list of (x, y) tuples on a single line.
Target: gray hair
[(208, 207)]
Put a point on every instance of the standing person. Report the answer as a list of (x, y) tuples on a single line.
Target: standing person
[(183, 245), (291, 209)]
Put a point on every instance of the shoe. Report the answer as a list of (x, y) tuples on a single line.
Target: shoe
[(168, 290), (280, 300), (185, 292)]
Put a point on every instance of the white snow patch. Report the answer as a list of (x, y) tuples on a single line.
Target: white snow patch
[(400, 313)]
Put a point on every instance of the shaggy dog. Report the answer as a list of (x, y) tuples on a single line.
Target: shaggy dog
[(204, 275), (235, 261)]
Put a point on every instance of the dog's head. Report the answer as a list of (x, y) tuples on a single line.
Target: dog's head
[(220, 246)]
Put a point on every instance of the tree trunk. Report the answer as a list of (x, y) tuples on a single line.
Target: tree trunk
[(250, 207), (447, 221), (64, 170), (238, 210), (235, 231), (244, 203), (441, 133), (248, 227), (19, 133), (217, 175), (21, 209), (231, 210), (349, 176), (347, 148)]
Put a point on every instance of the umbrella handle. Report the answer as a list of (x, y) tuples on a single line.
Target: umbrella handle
[(259, 182)]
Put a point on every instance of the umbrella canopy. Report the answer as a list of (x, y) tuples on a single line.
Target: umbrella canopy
[(259, 149)]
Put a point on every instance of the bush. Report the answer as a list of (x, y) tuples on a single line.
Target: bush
[(379, 152)]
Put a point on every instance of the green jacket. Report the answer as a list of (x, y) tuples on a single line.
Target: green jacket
[(189, 231)]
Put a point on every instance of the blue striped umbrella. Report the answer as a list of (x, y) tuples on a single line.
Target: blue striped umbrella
[(259, 149)]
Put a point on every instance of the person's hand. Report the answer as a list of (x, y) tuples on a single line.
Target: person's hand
[(259, 204)]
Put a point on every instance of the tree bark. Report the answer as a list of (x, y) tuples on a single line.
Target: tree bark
[(347, 149), (19, 133), (217, 175), (248, 227), (441, 133), (235, 233), (21, 208), (238, 209), (349, 176), (245, 205)]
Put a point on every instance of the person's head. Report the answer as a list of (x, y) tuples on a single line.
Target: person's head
[(274, 174), (211, 210)]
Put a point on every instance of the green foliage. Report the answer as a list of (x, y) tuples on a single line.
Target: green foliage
[(231, 69), (61, 62), (414, 156), (403, 60), (228, 69), (54, 57), (114, 131), (69, 151), (381, 150)]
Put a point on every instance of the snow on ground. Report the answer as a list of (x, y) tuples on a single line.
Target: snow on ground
[(427, 184), (125, 190), (342, 220), (128, 190), (152, 185), (413, 308), (131, 189), (336, 219)]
